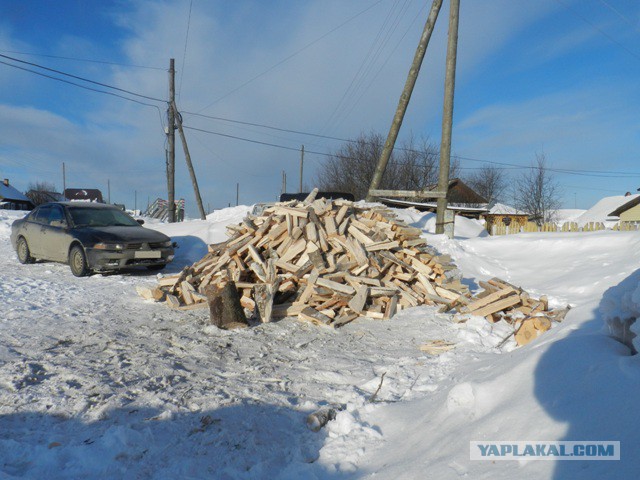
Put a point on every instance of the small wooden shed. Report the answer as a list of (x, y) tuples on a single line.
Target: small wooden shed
[(503, 216)]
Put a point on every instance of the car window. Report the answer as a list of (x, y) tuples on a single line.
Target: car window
[(101, 217), (56, 217), (42, 215)]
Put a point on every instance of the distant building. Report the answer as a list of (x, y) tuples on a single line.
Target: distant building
[(83, 195), (12, 199), (629, 213), (604, 211), (461, 199), (285, 197), (504, 215), (38, 197)]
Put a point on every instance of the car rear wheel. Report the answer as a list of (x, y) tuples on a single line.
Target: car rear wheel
[(78, 261), (24, 254)]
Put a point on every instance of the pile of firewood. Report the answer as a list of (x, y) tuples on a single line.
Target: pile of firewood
[(502, 301), (330, 262)]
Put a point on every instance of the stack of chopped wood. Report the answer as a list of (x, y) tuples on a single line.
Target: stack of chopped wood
[(501, 301), (324, 261), (330, 262)]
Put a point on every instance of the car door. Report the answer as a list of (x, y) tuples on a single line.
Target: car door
[(28, 229), (33, 231), (55, 236)]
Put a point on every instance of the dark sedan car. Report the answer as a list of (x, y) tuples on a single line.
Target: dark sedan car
[(89, 237)]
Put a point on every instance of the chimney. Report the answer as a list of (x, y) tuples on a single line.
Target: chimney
[(6, 182)]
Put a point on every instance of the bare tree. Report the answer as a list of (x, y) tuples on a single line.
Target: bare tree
[(412, 166), (351, 167), (537, 193), (489, 181), (40, 192)]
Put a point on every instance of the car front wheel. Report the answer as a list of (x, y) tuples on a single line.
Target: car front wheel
[(24, 254), (78, 261)]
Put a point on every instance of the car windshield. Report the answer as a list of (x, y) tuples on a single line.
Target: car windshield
[(101, 217)]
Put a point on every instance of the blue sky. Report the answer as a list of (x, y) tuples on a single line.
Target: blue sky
[(552, 76)]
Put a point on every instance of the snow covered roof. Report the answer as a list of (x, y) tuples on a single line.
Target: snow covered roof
[(601, 211), (502, 209), (568, 214), (450, 206), (626, 206), (10, 193)]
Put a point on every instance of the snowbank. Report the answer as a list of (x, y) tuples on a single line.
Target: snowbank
[(463, 227), (620, 308), (96, 382)]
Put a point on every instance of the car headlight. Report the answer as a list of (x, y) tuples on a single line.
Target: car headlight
[(108, 246), (166, 244)]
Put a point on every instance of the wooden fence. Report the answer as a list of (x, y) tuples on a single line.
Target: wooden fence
[(531, 227)]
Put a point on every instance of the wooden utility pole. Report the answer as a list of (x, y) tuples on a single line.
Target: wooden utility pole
[(187, 156), (171, 145), (301, 167), (135, 200), (108, 191), (64, 182), (447, 114), (404, 98), (237, 194)]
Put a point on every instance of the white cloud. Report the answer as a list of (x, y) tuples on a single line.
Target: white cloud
[(232, 42)]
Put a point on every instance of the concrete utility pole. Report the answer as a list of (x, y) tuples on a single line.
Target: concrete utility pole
[(187, 157), (171, 145), (108, 191), (404, 98), (237, 194), (301, 166), (447, 114)]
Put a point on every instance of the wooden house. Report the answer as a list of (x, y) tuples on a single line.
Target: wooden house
[(629, 213), (461, 199), (12, 199)]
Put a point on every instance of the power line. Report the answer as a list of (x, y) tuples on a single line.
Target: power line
[(184, 55), (81, 78), (355, 81), (461, 157), (598, 29), (286, 59), (590, 188), (79, 85), (504, 165), (384, 63), (88, 60), (88, 88), (620, 14), (261, 125)]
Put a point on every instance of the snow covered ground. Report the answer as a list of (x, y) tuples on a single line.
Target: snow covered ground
[(97, 383)]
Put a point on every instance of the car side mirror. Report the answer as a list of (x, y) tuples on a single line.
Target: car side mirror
[(140, 221)]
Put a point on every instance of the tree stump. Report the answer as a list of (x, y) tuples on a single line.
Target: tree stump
[(225, 310)]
